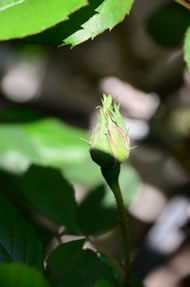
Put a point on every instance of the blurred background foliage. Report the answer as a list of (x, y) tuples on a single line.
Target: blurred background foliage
[(48, 97)]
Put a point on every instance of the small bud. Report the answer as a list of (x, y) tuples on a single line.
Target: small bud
[(109, 142)]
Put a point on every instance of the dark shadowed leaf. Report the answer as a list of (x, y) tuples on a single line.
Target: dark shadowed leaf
[(102, 283), (78, 267), (18, 241), (20, 275), (51, 194), (62, 254), (167, 25)]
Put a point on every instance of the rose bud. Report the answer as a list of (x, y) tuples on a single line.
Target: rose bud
[(109, 142)]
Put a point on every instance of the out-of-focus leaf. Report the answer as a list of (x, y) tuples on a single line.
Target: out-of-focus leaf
[(136, 283), (9, 182), (52, 143), (102, 283), (33, 138), (167, 25), (32, 16), (57, 143), (177, 124), (20, 275), (29, 138), (187, 48), (18, 241), (86, 23), (100, 203), (4, 4), (16, 148), (77, 172), (51, 194), (61, 146), (78, 267)]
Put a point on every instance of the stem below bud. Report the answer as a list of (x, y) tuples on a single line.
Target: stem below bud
[(111, 176)]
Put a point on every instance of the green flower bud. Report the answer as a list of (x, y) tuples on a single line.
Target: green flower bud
[(109, 142)]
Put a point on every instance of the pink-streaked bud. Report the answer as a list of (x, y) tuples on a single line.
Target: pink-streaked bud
[(109, 142)]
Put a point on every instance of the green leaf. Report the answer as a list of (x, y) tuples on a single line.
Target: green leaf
[(57, 143), (78, 267), (4, 4), (167, 25), (100, 204), (51, 194), (32, 16), (62, 254), (187, 49), (77, 172), (106, 16), (135, 282), (102, 283), (16, 148), (86, 23), (18, 241), (20, 275), (28, 137)]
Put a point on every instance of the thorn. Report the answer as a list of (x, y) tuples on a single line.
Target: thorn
[(85, 140), (133, 147), (115, 100)]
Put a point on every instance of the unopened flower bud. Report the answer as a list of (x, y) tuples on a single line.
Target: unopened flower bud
[(109, 142)]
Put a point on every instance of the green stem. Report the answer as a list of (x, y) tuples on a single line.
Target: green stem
[(124, 229), (111, 176)]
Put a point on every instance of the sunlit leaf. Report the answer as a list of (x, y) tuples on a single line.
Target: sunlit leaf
[(16, 148), (107, 15), (32, 16), (86, 23), (30, 138), (56, 142), (4, 4)]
